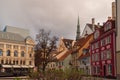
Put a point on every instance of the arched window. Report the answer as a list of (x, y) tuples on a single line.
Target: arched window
[(22, 54), (1, 52), (8, 53), (16, 53)]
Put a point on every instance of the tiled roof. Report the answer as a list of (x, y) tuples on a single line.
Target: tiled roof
[(61, 56), (79, 42), (68, 43), (86, 44), (83, 40)]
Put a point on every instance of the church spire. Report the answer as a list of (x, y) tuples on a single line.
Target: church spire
[(78, 30)]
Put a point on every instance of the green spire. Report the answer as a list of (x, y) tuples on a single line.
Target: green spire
[(78, 30)]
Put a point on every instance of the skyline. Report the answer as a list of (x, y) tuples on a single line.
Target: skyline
[(58, 16)]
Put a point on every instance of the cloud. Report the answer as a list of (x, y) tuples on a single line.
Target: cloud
[(59, 16)]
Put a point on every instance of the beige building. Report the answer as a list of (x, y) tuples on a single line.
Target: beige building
[(16, 50), (118, 38)]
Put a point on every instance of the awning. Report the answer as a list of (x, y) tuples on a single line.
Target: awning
[(6, 66), (27, 66), (16, 66), (24, 66), (31, 66)]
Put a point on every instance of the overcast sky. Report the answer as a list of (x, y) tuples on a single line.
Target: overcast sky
[(59, 16)]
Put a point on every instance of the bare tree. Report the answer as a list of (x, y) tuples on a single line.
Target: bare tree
[(45, 45)]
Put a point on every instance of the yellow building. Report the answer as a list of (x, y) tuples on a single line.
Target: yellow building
[(16, 50)]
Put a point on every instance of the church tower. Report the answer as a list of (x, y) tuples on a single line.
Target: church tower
[(78, 30)]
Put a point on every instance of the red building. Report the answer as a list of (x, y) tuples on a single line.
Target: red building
[(102, 48)]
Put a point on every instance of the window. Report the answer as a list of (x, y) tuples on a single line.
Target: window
[(17, 62), (93, 57), (8, 53), (97, 69), (108, 40), (15, 47), (109, 69), (22, 47), (30, 55), (96, 45), (16, 53), (102, 42), (85, 51), (92, 46), (96, 34), (8, 46), (108, 26), (94, 70), (108, 52), (96, 56), (30, 63), (2, 61), (23, 62), (1, 45), (22, 54), (14, 62), (1, 52), (103, 55), (6, 62)]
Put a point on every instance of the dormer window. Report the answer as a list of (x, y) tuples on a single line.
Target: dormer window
[(107, 26), (85, 51)]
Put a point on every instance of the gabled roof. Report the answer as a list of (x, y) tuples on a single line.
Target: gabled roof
[(91, 26)]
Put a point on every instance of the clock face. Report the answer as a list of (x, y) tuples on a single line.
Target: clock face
[(96, 34)]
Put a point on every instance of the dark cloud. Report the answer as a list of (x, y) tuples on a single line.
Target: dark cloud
[(59, 16)]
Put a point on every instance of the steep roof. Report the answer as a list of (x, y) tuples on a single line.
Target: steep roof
[(83, 40), (63, 55), (68, 43), (91, 26), (86, 43)]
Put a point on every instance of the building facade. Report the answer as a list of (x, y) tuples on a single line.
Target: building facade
[(118, 37), (16, 52), (103, 57)]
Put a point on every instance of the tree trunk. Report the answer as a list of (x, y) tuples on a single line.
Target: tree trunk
[(44, 67)]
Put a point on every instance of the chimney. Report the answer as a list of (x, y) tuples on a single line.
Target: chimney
[(98, 24), (113, 10), (109, 18), (93, 24), (93, 21)]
